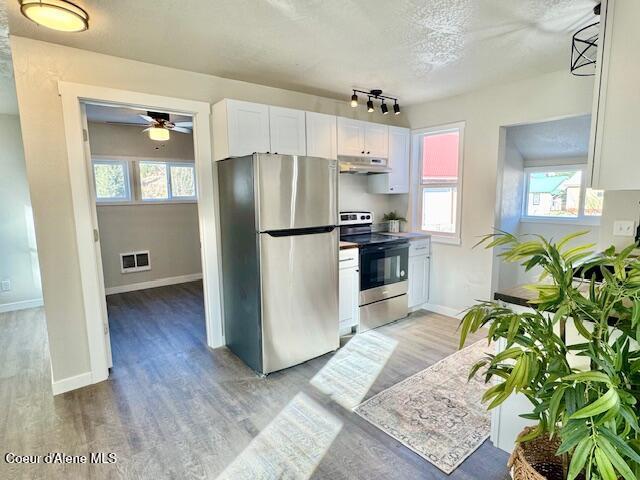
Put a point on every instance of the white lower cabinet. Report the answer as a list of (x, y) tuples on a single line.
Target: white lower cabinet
[(349, 280), (419, 266)]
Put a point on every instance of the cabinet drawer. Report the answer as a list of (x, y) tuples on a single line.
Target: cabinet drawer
[(348, 258), (419, 247)]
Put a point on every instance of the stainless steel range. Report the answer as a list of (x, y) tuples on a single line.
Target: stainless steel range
[(383, 270)]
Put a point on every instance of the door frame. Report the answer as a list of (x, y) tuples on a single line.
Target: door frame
[(73, 96)]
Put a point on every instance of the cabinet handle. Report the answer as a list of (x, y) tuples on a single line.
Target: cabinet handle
[(347, 259), (362, 151), (368, 153)]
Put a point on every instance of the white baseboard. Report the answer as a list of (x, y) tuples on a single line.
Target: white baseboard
[(22, 305), (443, 310), (160, 282), (71, 383)]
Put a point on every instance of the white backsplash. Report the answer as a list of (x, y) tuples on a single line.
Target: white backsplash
[(353, 195)]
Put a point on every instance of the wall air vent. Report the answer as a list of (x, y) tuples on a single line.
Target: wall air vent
[(135, 261)]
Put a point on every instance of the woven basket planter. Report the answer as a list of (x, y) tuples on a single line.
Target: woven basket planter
[(536, 460)]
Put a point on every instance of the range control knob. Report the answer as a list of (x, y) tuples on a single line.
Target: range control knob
[(368, 217), (362, 217)]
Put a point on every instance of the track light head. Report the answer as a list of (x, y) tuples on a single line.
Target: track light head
[(354, 100), (396, 109), (384, 108), (370, 105)]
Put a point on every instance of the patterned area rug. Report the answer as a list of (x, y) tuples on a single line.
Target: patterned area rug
[(436, 412)]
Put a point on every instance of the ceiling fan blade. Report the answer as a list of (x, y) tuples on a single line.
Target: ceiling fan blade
[(126, 124), (147, 118), (184, 124), (181, 130)]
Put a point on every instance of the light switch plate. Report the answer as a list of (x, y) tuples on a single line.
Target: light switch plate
[(5, 286), (624, 228)]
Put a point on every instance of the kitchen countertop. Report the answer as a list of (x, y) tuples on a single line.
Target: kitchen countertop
[(409, 235), (345, 245)]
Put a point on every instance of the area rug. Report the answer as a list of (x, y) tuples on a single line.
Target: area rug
[(436, 412)]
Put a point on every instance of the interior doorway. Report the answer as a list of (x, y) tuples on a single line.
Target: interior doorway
[(143, 182), (74, 98)]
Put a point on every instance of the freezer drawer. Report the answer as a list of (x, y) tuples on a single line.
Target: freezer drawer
[(295, 192), (299, 281)]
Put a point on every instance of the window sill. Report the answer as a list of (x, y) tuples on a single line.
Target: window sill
[(584, 221), (149, 202)]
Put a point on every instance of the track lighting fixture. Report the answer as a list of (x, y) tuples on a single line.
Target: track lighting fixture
[(375, 95)]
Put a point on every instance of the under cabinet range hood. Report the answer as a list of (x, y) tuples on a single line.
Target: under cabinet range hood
[(365, 165)]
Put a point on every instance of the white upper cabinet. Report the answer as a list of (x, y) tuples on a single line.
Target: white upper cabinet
[(287, 126), (350, 137), (240, 128), (321, 135), (376, 140), (615, 141), (398, 180)]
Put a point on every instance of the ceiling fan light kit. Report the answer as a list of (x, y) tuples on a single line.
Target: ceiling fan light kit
[(60, 15), (377, 95), (159, 134)]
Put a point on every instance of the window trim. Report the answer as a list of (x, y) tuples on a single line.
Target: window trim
[(454, 238), (581, 219), (128, 181), (135, 196)]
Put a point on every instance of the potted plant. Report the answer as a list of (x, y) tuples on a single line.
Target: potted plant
[(586, 418), (394, 219)]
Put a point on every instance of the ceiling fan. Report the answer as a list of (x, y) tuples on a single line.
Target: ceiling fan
[(159, 125)]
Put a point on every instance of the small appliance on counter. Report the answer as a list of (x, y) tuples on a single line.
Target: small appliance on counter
[(278, 219), (383, 270)]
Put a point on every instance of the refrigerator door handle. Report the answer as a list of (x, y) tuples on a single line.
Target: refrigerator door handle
[(300, 231)]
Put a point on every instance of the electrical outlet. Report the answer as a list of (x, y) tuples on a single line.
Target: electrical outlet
[(5, 286), (624, 228)]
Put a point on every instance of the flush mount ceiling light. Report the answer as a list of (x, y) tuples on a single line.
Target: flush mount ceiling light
[(377, 95), (584, 48), (58, 15)]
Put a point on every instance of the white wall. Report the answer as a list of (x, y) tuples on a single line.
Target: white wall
[(353, 195), (618, 205), (461, 275), (18, 254), (38, 68), (168, 231)]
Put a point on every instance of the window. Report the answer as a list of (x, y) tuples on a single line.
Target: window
[(143, 181), (438, 201), (161, 181), (111, 180), (560, 193)]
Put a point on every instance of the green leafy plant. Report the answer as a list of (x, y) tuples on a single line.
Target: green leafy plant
[(585, 392), (393, 216)]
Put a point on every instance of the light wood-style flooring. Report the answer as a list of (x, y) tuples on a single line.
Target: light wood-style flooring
[(172, 408)]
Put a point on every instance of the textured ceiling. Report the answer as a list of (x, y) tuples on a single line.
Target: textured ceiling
[(416, 50), (564, 138), (8, 100)]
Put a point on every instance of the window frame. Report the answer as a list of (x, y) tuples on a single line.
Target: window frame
[(454, 238), (134, 185), (581, 219), (107, 160)]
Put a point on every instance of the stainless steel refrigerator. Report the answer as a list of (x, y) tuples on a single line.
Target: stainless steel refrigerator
[(278, 225)]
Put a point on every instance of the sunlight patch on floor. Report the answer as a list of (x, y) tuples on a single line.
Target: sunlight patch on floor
[(350, 373), (290, 447)]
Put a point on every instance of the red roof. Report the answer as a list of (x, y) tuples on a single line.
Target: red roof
[(440, 155)]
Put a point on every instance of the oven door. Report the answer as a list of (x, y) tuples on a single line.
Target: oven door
[(382, 265)]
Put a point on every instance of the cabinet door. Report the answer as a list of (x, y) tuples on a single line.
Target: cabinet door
[(348, 298), (287, 127), (418, 280), (376, 140), (615, 141), (321, 135), (248, 128), (350, 137), (399, 142)]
